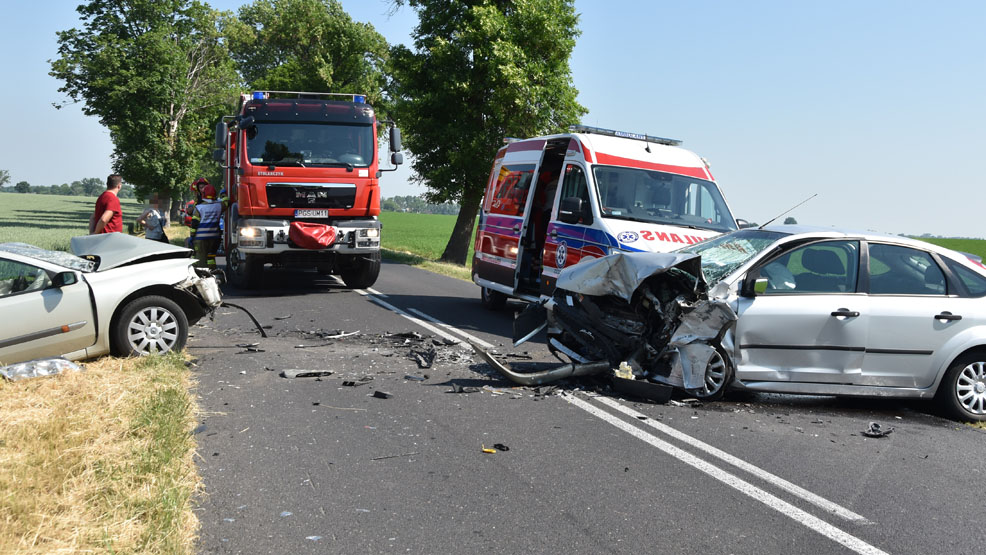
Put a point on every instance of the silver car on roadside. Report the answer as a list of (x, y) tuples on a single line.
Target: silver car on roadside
[(117, 294), (787, 309)]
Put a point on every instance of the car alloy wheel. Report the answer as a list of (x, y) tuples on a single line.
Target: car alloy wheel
[(718, 374), (970, 388), (152, 330)]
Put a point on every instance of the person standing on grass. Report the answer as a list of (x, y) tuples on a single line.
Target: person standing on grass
[(153, 221), (108, 217)]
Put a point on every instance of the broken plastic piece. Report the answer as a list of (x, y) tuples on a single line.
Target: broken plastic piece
[(875, 430), (545, 376), (296, 373), (500, 447), (382, 395), (415, 378), (490, 451), (37, 368), (643, 389)]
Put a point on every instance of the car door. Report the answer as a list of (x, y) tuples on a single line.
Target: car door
[(810, 324), (912, 315), (39, 319), (563, 245)]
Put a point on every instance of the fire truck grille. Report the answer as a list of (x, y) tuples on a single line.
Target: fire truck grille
[(302, 196)]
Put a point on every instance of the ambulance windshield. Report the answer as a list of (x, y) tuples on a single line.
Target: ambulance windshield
[(310, 144), (659, 197)]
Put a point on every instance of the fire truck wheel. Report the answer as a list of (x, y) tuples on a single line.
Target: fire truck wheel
[(493, 300), (361, 270), (243, 274)]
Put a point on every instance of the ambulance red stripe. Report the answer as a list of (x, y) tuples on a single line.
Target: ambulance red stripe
[(609, 159)]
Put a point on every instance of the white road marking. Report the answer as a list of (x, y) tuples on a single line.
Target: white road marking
[(377, 293), (453, 329), (417, 321), (741, 464), (808, 520)]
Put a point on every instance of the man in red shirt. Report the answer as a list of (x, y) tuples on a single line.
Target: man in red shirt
[(107, 217)]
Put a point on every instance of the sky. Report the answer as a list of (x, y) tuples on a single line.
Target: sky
[(879, 107)]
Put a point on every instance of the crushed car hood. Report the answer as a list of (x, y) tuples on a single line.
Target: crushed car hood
[(112, 250), (621, 273)]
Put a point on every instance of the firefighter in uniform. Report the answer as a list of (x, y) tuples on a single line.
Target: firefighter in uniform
[(205, 227)]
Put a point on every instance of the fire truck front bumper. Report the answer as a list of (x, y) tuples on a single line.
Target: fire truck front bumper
[(260, 236)]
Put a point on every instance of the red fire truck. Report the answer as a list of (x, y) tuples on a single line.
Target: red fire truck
[(302, 174)]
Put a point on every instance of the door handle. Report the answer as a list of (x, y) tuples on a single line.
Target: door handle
[(554, 234), (845, 312), (946, 315), (517, 227)]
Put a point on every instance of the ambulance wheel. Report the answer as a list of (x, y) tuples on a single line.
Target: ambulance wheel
[(491, 299), (243, 274), (361, 270)]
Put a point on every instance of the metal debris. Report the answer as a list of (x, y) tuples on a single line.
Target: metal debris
[(297, 373), (876, 430), (381, 395)]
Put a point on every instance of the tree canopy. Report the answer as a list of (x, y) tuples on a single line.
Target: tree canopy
[(308, 45), (157, 74), (480, 70)]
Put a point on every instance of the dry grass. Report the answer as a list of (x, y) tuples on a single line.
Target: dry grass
[(99, 460)]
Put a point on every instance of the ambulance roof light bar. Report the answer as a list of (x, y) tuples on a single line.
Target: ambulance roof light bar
[(624, 134)]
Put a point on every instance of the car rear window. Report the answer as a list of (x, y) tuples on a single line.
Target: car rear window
[(974, 283)]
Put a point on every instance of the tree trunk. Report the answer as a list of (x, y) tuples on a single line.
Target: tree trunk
[(458, 244)]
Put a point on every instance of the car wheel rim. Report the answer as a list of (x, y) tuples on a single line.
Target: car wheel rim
[(153, 330), (970, 388), (715, 374)]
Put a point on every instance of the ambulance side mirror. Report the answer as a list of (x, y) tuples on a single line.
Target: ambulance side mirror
[(574, 210)]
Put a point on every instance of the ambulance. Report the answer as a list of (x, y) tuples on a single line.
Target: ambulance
[(555, 200)]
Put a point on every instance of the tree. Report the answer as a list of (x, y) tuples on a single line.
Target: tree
[(22, 187), (480, 70), (4, 178), (308, 45), (790, 221), (157, 74), (93, 186)]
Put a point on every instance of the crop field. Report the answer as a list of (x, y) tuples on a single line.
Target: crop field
[(50, 221), (973, 246), (422, 234)]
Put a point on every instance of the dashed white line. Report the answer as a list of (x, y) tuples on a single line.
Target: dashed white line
[(798, 515), (417, 321), (453, 329), (781, 483)]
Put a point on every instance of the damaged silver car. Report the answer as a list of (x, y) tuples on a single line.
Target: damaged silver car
[(116, 293), (785, 309)]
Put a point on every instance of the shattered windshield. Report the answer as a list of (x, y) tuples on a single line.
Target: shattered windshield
[(658, 197), (723, 254), (310, 144)]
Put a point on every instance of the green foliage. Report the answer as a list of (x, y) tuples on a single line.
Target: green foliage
[(4, 177), (308, 45), (156, 73), (504, 69), (22, 187), (790, 221)]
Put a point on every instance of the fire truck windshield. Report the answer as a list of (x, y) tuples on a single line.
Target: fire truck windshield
[(659, 197), (310, 144)]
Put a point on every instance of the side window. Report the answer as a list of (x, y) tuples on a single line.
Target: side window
[(897, 270), (574, 184), (975, 283), (16, 277), (829, 267), (512, 186)]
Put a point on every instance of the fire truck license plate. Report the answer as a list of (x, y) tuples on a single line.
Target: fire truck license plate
[(309, 213)]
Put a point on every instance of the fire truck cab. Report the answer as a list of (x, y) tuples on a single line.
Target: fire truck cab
[(552, 201), (302, 172)]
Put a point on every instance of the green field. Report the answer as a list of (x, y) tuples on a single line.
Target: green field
[(972, 246), (422, 234), (50, 221)]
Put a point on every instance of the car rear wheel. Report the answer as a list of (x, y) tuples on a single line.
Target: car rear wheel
[(149, 325), (718, 375), (962, 392), (491, 299)]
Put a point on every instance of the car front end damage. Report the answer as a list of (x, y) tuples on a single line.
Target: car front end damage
[(649, 314)]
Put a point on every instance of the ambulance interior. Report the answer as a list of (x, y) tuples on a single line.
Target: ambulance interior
[(541, 205)]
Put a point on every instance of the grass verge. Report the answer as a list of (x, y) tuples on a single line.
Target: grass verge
[(99, 460)]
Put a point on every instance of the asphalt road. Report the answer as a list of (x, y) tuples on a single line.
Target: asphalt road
[(320, 465)]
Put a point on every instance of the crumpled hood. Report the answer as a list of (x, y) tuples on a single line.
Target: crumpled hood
[(621, 273), (112, 250)]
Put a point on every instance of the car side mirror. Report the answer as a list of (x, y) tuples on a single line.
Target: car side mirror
[(753, 286), (574, 210), (743, 224), (61, 279)]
